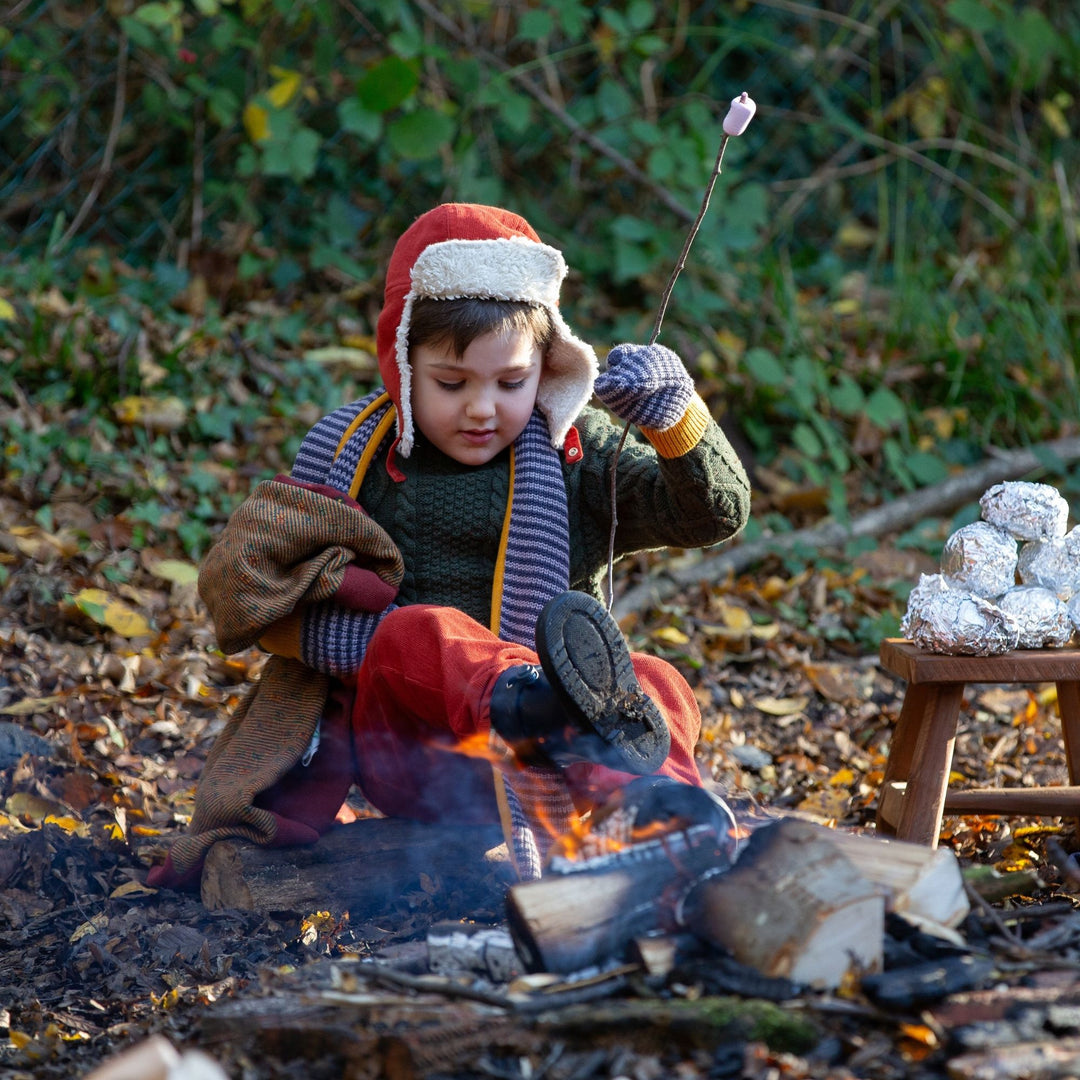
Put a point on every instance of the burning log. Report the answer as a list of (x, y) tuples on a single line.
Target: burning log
[(594, 909), (793, 906), (799, 902), (360, 868)]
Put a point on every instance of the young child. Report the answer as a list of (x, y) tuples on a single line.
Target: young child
[(428, 579)]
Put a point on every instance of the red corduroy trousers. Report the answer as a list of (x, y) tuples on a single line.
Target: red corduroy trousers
[(412, 732)]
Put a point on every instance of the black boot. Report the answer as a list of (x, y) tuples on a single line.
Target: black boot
[(587, 704), (529, 716)]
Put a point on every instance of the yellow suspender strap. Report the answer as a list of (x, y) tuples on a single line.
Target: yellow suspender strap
[(369, 452), (500, 561), (501, 800), (373, 443)]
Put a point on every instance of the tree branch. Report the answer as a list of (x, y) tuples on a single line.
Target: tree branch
[(901, 513), (110, 144)]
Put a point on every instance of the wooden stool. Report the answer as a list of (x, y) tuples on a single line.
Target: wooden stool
[(914, 795)]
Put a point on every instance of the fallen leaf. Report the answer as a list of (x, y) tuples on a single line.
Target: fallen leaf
[(787, 706), (91, 926), (157, 414), (108, 611), (828, 804), (35, 808), (670, 635), (131, 888), (341, 354), (70, 825), (29, 706), (842, 778), (176, 570)]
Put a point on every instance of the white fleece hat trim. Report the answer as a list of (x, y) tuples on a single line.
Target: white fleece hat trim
[(504, 268)]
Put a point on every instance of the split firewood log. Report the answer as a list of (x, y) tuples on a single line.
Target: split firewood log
[(800, 902)]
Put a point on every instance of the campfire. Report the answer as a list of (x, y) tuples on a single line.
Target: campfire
[(783, 896), (799, 901)]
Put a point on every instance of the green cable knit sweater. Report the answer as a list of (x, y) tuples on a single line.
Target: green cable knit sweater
[(447, 519)]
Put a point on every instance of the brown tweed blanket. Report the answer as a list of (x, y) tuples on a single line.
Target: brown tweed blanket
[(288, 544)]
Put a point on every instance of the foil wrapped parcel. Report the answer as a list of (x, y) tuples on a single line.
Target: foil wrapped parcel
[(942, 619), (980, 558), (1027, 511), (1054, 564), (1042, 617)]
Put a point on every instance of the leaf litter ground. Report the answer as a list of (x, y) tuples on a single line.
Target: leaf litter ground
[(111, 693)]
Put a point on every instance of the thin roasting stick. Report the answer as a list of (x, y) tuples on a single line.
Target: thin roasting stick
[(735, 123)]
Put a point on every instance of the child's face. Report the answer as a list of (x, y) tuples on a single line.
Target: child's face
[(475, 406)]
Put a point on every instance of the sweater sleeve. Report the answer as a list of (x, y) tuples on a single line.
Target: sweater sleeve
[(691, 492)]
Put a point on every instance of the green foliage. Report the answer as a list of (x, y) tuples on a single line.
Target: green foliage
[(884, 285)]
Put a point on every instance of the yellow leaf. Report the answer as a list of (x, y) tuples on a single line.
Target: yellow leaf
[(68, 823), (107, 611), (157, 414), (284, 90), (29, 705), (848, 305), (342, 354), (19, 1039), (842, 778), (774, 588), (33, 808), (92, 926), (788, 706), (1054, 117), (854, 235), (131, 888), (766, 632), (736, 618), (167, 1000), (7, 310), (176, 570), (256, 122), (671, 636), (827, 804)]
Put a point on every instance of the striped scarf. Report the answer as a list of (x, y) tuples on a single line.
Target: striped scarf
[(535, 548)]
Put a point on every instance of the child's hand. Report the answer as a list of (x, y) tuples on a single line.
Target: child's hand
[(646, 384)]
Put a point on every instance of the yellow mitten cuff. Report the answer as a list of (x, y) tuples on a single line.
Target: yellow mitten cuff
[(683, 436), (283, 637)]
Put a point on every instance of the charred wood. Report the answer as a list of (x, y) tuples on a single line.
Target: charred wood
[(361, 868)]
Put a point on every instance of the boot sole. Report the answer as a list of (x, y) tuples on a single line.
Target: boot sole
[(585, 657)]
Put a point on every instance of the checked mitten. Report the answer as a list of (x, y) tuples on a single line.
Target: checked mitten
[(646, 384)]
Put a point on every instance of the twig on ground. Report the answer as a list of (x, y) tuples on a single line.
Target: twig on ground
[(1011, 938), (1059, 858)]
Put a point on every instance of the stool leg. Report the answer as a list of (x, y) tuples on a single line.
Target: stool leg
[(1068, 694), (924, 799), (905, 735)]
